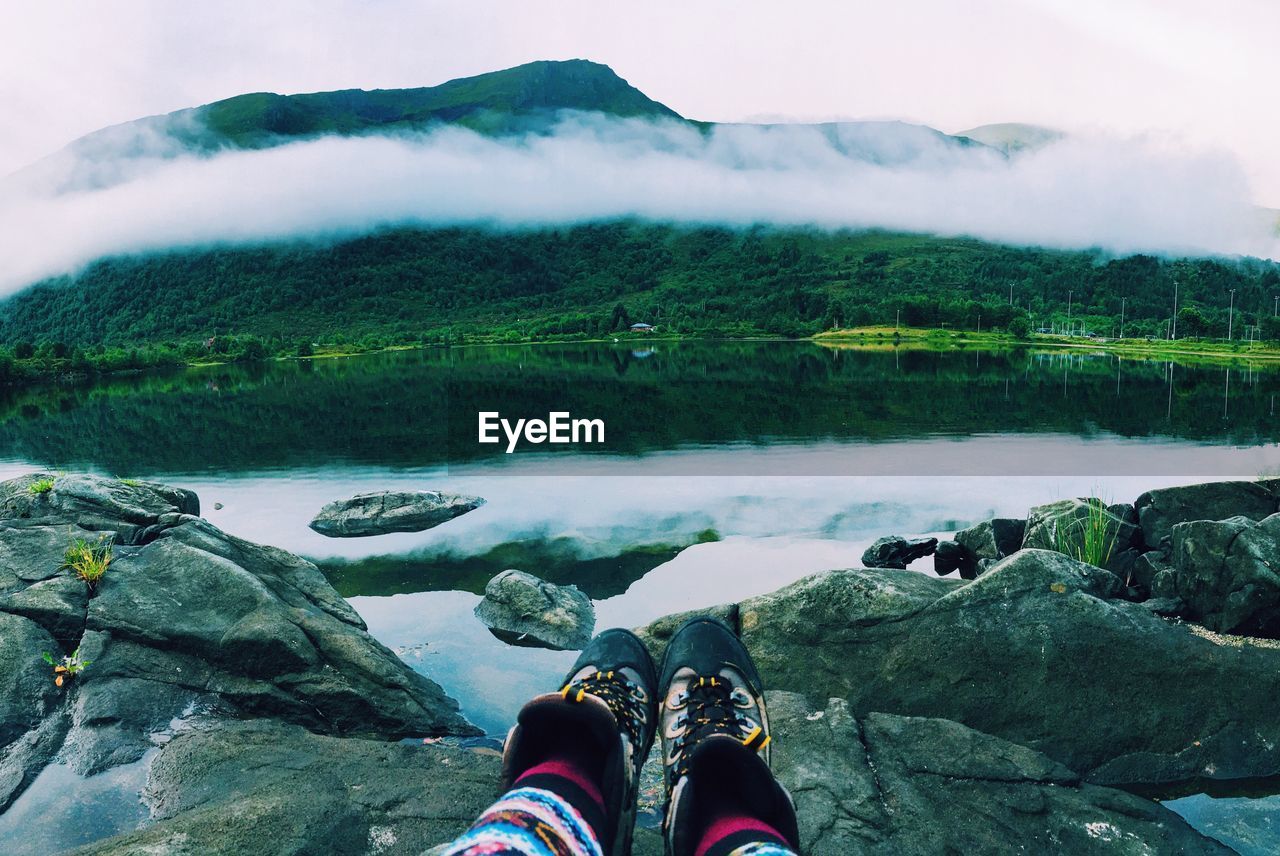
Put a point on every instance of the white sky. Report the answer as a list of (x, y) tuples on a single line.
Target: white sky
[(1205, 71)]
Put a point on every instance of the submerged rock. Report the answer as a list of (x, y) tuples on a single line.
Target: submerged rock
[(1160, 510), (894, 551), (1035, 651), (523, 610), (1228, 573), (391, 511), (185, 616)]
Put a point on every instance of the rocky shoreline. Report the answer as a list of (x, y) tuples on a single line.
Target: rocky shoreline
[(913, 713)]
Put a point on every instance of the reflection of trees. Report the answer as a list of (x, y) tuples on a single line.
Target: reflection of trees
[(418, 408)]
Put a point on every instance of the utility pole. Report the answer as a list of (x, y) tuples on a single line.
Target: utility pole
[(1231, 314), (1069, 296), (1174, 330), (896, 318), (979, 323), (1122, 302), (1275, 309), (1010, 294)]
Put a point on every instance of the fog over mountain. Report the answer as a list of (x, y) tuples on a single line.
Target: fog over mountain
[(157, 184)]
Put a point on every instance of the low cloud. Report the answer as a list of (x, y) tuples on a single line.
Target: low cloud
[(136, 192)]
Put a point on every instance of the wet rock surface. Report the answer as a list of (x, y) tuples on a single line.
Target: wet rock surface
[(523, 610), (185, 617), (391, 511)]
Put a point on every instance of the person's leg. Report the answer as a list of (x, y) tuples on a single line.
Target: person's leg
[(571, 764), (723, 798)]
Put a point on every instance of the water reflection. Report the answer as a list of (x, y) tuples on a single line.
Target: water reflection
[(418, 409)]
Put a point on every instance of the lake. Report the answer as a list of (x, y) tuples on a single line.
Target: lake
[(727, 470)]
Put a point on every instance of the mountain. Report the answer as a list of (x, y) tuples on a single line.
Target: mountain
[(1013, 137), (524, 98)]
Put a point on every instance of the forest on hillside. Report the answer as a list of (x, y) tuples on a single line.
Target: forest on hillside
[(419, 286)]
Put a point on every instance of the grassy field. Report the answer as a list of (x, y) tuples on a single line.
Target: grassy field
[(882, 337)]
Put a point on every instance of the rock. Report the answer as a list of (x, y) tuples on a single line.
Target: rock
[(1068, 525), (391, 511), (894, 551), (261, 787), (1029, 652), (951, 556), (1146, 566), (185, 616), (886, 784), (1160, 510), (29, 703), (994, 538), (1228, 572), (95, 503), (521, 609), (1165, 583)]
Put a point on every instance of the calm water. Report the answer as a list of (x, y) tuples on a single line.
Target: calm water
[(728, 470)]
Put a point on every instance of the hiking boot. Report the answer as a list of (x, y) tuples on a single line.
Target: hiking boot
[(606, 715), (715, 738)]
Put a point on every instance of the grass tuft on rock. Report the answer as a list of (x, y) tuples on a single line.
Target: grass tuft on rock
[(1091, 538), (88, 560), (40, 486)]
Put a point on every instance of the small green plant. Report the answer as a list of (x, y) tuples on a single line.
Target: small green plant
[(66, 667), (88, 560), (40, 486), (1091, 538)]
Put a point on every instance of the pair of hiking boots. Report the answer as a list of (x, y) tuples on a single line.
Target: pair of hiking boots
[(707, 703)]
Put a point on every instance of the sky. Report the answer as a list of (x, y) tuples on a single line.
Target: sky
[(1198, 72)]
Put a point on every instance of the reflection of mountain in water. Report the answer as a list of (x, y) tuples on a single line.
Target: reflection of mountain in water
[(556, 560), (414, 409)]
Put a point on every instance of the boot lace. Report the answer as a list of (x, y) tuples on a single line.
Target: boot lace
[(712, 706), (626, 699)]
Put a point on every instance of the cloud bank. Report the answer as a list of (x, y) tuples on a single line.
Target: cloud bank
[(138, 194)]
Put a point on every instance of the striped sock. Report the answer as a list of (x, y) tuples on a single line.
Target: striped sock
[(739, 835), (555, 808)]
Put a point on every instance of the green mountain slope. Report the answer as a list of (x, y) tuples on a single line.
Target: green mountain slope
[(509, 100), (409, 284)]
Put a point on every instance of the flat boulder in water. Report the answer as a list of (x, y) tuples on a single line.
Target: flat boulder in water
[(521, 609), (391, 511)]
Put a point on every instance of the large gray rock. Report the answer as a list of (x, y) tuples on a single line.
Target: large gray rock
[(391, 511), (126, 508), (1228, 573), (31, 724), (521, 609), (894, 551), (887, 784), (1160, 510), (994, 538), (1035, 651), (185, 616), (1084, 528), (261, 787)]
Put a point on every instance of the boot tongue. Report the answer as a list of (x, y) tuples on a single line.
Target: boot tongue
[(589, 720)]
